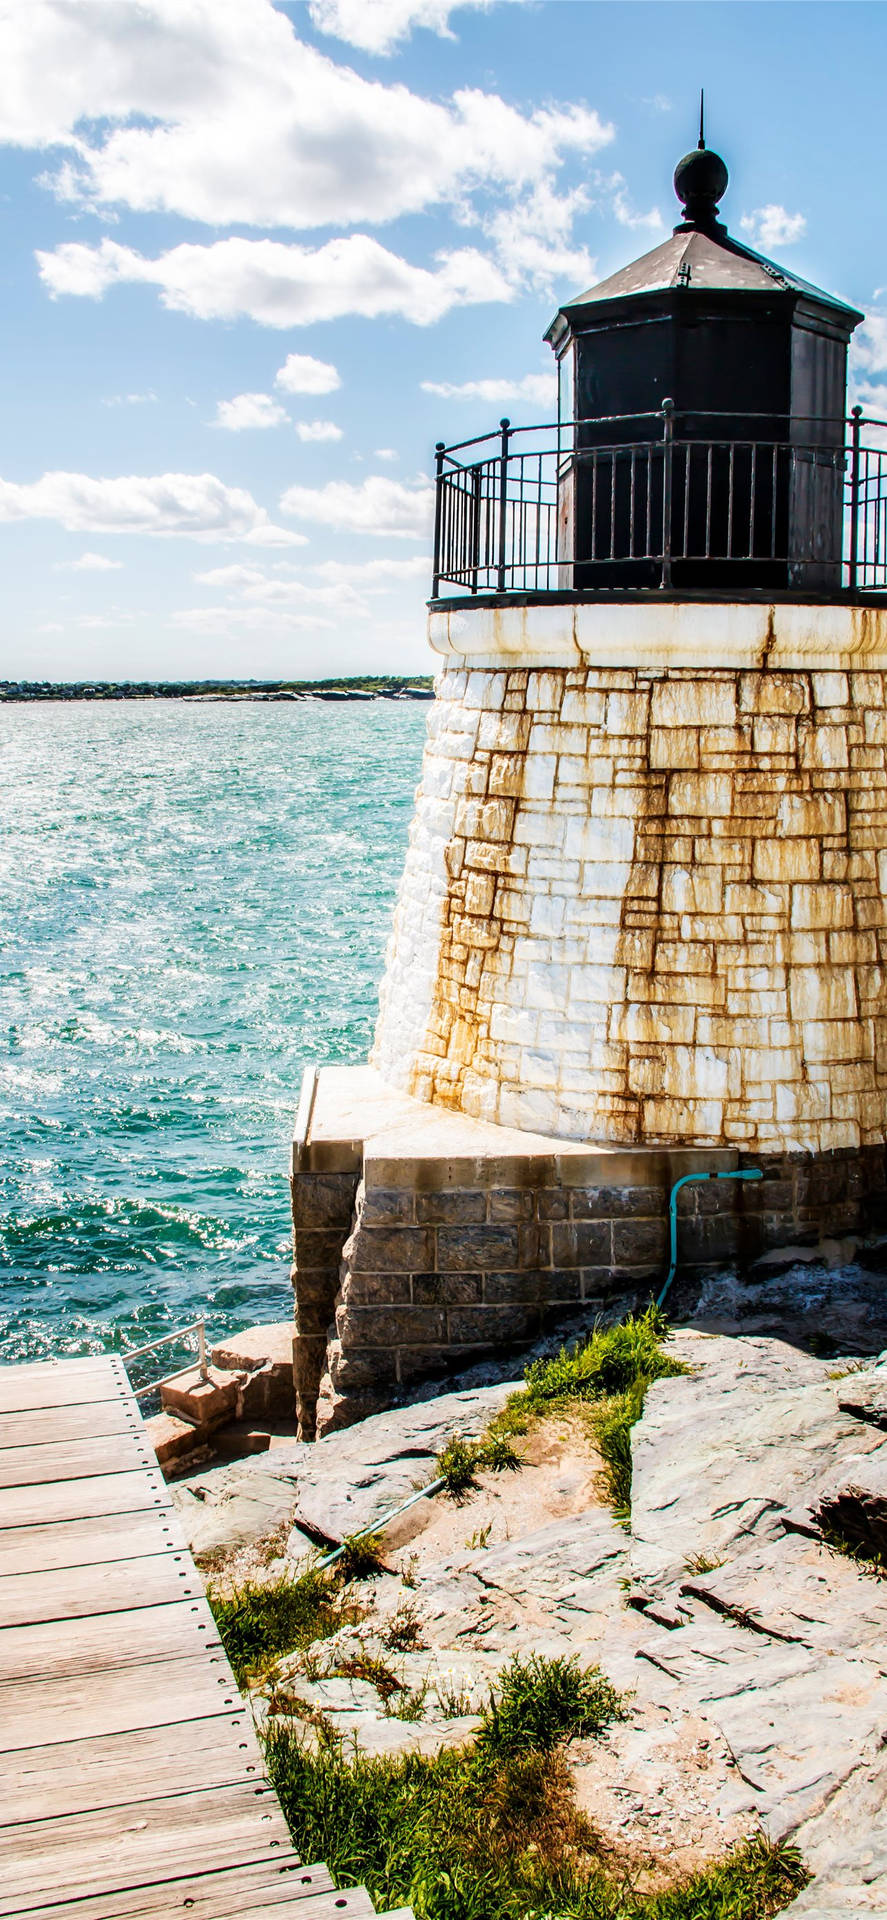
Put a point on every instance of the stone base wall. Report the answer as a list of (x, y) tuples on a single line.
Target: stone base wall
[(443, 1260), (323, 1208), (648, 906)]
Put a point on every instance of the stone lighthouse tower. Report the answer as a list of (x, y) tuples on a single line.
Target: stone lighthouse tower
[(642, 927)]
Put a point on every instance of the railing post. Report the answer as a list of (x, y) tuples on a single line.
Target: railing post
[(503, 502), (439, 452), (475, 526), (667, 460), (856, 416), (201, 1350)]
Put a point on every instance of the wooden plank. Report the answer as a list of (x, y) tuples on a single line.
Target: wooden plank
[(110, 1586), (79, 1776), (196, 1897), (69, 1368), (75, 1459), (70, 1423), (81, 1543), (122, 1847), (103, 1640), (274, 1904), (21, 1390), (36, 1713), (84, 1499)]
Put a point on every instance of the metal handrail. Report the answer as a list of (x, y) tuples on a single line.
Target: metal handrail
[(506, 521), (137, 1353), (683, 413)]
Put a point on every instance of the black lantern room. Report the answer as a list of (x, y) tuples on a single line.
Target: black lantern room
[(702, 401)]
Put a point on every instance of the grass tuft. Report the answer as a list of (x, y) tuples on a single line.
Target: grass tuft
[(457, 1465), (361, 1556), (461, 1460), (542, 1703)]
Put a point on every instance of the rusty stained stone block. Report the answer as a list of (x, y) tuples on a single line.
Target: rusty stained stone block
[(681, 702)]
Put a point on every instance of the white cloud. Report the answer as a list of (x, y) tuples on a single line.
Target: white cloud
[(266, 534), (89, 563), (378, 506), (868, 372), (280, 284), (301, 373), (772, 226), (869, 344), (540, 388), (386, 453), (625, 213), (128, 399), (378, 26), (250, 410), (532, 237), (318, 430), (194, 504), (215, 110), (282, 591)]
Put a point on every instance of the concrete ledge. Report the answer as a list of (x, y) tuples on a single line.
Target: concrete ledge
[(361, 1125), (675, 633)]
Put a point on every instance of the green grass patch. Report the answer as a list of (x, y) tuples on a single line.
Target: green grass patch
[(606, 1376), (257, 1624), (609, 1362), (491, 1832)]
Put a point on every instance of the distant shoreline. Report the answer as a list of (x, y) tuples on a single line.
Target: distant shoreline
[(368, 687)]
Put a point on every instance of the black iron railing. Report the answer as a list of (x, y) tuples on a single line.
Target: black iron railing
[(664, 500)]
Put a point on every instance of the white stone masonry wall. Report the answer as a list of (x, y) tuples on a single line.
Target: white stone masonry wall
[(648, 907)]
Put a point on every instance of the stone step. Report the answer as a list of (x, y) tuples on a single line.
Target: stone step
[(265, 1353), (209, 1402)]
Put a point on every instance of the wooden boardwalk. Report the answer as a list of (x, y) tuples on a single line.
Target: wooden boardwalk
[(131, 1781)]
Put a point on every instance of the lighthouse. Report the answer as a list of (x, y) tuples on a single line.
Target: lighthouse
[(642, 926)]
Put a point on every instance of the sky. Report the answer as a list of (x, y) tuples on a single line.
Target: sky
[(257, 258)]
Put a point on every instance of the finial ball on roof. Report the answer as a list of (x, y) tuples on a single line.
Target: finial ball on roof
[(700, 179)]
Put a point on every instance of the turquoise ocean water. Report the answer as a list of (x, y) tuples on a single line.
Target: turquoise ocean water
[(194, 903)]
